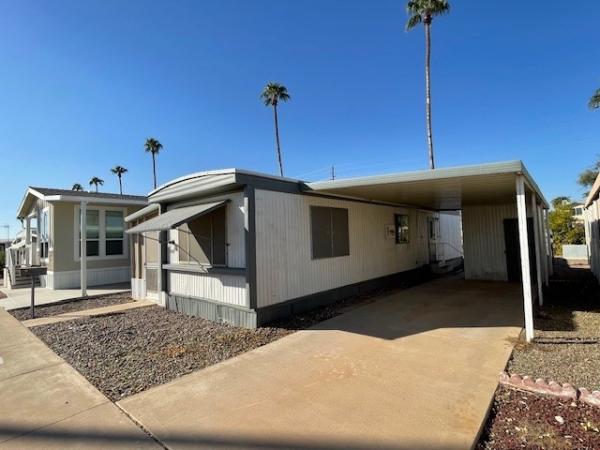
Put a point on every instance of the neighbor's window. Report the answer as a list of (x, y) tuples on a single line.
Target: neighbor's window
[(204, 240), (115, 229), (329, 231), (44, 234), (402, 229), (92, 232)]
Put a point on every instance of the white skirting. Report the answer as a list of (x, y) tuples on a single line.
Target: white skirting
[(96, 277)]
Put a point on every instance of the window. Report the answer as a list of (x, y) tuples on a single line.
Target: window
[(329, 231), (114, 228), (92, 233), (203, 240), (44, 234), (402, 229)]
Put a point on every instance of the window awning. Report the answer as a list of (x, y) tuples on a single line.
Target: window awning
[(172, 219)]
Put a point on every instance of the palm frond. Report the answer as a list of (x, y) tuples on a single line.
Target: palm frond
[(77, 187), (119, 170), (413, 21), (152, 145), (594, 102)]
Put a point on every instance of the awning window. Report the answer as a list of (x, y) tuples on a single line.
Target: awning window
[(175, 217)]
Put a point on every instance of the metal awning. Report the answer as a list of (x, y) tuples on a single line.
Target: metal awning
[(172, 219)]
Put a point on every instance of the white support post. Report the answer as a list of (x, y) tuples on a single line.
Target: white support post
[(524, 247), (28, 240), (83, 240), (548, 244), (543, 243), (537, 241)]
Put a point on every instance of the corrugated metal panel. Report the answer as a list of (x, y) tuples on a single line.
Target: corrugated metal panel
[(285, 268), (205, 309), (223, 288), (483, 236)]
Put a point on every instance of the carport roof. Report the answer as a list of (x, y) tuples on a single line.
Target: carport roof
[(439, 189)]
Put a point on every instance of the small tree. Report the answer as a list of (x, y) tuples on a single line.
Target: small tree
[(565, 229), (77, 187), (96, 181)]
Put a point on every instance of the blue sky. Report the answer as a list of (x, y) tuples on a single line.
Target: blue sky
[(83, 83)]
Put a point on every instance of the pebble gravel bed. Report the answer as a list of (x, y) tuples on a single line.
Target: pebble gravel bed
[(126, 353), (520, 420), (72, 306)]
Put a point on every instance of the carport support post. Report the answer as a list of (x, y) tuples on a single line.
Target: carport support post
[(83, 251), (544, 254), (548, 245), (537, 240), (524, 247)]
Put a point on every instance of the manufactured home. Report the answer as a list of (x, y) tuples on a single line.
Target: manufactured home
[(51, 237), (591, 216), (248, 248)]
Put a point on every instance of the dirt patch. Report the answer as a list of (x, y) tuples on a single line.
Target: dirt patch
[(72, 306), (123, 354), (530, 421), (567, 333)]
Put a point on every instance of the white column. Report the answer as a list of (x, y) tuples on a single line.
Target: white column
[(83, 256), (543, 243), (27, 239), (537, 241), (524, 247), (548, 244)]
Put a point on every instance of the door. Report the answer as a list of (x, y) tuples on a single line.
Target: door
[(513, 250), (151, 264)]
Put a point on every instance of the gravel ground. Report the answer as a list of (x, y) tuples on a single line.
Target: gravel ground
[(567, 346), (123, 354), (72, 306), (521, 420)]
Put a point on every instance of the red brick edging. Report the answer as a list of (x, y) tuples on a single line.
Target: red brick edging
[(564, 391)]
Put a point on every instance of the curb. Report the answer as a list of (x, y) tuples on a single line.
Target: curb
[(564, 391)]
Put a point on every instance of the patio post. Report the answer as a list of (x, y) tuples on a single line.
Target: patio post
[(524, 247), (83, 246), (537, 240), (548, 244), (543, 244)]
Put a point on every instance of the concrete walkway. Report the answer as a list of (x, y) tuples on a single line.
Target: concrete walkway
[(21, 298), (46, 404), (87, 313), (415, 370)]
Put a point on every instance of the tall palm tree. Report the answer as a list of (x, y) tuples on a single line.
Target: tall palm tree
[(77, 187), (96, 181), (423, 11), (594, 102), (154, 147), (271, 95), (119, 171)]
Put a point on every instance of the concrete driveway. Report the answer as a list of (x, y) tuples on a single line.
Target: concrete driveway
[(414, 370)]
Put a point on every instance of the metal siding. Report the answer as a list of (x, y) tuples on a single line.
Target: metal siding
[(223, 288), (285, 268), (483, 239)]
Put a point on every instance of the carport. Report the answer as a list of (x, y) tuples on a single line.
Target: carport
[(504, 214)]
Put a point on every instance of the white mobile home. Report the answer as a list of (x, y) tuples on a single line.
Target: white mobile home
[(591, 217), (247, 248)]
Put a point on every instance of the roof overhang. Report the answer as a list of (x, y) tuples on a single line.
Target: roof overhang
[(143, 212), (439, 189), (31, 196), (593, 195), (175, 217)]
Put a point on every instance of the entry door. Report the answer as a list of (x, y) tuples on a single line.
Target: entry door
[(151, 264), (513, 250)]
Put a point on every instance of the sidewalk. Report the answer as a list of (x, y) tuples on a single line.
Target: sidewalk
[(21, 298), (46, 404)]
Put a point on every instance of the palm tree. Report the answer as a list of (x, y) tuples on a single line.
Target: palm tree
[(96, 181), (119, 171), (77, 187), (153, 146), (423, 11), (271, 95), (594, 102)]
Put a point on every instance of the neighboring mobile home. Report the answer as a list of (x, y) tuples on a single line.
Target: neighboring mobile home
[(592, 227), (51, 237), (247, 248)]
